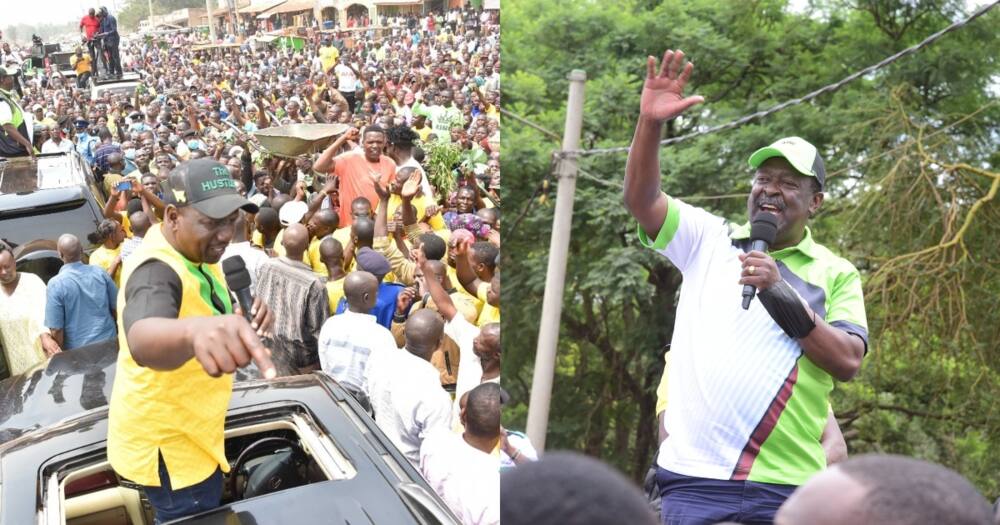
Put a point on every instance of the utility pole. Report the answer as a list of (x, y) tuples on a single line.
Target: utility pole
[(211, 23), (150, 15), (555, 277)]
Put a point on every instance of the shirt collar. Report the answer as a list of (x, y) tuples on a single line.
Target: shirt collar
[(294, 263), (807, 245), (360, 316)]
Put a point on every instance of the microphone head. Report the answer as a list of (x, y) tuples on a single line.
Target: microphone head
[(237, 276), (764, 227)]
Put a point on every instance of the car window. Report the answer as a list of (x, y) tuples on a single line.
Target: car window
[(49, 222)]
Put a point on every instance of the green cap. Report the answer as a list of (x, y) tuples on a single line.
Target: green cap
[(802, 155), (206, 185)]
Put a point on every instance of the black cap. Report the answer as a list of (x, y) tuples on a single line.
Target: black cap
[(206, 185)]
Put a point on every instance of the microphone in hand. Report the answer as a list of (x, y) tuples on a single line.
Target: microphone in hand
[(238, 279), (763, 229)]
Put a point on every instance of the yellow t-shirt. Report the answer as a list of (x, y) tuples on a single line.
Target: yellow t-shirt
[(126, 223), (489, 313), (335, 291), (424, 132), (81, 65), (421, 203), (453, 276), (278, 248), (312, 258), (328, 56), (344, 236), (103, 257)]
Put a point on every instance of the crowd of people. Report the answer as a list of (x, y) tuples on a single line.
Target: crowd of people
[(374, 268)]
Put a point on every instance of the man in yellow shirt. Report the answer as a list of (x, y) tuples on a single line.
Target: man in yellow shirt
[(331, 252), (475, 266), (81, 64), (328, 55), (180, 339)]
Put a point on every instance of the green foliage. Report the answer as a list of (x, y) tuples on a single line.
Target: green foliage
[(137, 10), (442, 158), (897, 186)]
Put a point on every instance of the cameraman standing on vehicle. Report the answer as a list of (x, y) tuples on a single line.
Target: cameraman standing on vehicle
[(109, 35), (179, 342)]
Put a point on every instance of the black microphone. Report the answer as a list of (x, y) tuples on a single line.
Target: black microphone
[(763, 229), (238, 279)]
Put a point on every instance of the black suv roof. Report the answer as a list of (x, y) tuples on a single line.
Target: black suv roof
[(43, 199), (22, 175)]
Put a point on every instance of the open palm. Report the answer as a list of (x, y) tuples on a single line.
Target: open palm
[(663, 91)]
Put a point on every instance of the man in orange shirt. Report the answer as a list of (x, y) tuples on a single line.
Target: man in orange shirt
[(357, 170)]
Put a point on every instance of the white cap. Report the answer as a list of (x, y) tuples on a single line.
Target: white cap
[(292, 212)]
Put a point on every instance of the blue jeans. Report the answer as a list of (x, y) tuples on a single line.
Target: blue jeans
[(688, 500), (169, 504)]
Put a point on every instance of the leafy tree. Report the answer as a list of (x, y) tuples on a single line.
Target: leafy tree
[(912, 155), (138, 10)]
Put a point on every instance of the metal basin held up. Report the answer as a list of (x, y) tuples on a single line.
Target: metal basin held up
[(298, 139)]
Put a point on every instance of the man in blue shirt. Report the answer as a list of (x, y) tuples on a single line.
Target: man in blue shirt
[(109, 32), (80, 301), (86, 144)]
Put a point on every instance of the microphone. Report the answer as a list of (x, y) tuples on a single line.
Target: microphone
[(763, 229), (238, 279)]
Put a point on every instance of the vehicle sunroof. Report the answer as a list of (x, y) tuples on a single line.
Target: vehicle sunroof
[(22, 175)]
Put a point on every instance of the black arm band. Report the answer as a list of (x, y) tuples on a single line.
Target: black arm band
[(786, 308)]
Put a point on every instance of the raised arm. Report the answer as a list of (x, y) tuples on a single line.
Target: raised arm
[(445, 306), (463, 268), (662, 100), (109, 206), (325, 163), (317, 201)]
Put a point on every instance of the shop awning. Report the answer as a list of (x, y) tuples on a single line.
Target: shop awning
[(259, 7), (291, 6)]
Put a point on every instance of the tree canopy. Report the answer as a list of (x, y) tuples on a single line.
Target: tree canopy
[(135, 11), (911, 152)]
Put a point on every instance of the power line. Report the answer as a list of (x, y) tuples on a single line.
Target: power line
[(793, 102), (555, 136), (614, 184)]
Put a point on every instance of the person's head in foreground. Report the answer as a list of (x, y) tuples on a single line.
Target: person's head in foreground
[(788, 182), (879, 489), (570, 488)]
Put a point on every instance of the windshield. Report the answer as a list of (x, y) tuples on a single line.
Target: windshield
[(48, 222)]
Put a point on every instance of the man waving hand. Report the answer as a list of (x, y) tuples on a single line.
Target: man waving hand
[(748, 389)]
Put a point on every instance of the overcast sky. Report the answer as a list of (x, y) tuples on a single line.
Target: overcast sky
[(50, 11)]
